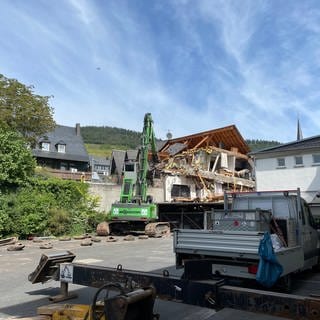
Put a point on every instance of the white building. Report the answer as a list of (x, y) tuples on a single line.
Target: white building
[(290, 166)]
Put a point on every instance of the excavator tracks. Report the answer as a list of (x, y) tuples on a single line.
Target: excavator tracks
[(153, 229), (157, 229)]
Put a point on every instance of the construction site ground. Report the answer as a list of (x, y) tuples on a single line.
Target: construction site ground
[(20, 298)]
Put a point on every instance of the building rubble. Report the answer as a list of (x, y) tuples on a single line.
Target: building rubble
[(198, 172)]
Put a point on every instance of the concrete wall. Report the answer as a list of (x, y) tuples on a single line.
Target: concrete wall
[(180, 180), (107, 193), (306, 176), (110, 193)]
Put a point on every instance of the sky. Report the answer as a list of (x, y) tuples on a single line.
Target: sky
[(195, 65)]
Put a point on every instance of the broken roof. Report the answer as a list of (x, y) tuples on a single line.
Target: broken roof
[(224, 138)]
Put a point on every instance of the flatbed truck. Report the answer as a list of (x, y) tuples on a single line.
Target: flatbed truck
[(230, 241)]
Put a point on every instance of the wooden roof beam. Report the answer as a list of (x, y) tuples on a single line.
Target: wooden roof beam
[(231, 153), (201, 142)]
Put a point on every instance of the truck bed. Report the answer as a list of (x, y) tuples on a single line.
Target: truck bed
[(234, 246), (223, 243)]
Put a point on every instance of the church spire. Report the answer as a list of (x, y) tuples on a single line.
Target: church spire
[(299, 131)]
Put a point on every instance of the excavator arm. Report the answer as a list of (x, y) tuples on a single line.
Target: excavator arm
[(148, 142)]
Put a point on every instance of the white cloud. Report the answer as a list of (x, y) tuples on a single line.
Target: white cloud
[(84, 10), (194, 65), (271, 92)]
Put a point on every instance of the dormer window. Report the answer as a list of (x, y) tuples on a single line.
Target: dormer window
[(61, 147), (45, 146)]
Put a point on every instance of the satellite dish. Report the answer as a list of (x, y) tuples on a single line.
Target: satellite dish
[(169, 135)]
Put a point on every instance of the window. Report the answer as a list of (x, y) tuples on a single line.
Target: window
[(310, 218), (61, 148), (45, 146), (316, 158), (281, 162), (129, 167), (180, 191), (63, 166), (298, 160)]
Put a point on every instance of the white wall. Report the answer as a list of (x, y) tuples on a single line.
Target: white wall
[(171, 180), (306, 177), (107, 193), (110, 193)]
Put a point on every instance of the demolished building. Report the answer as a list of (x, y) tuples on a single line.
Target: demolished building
[(200, 167)]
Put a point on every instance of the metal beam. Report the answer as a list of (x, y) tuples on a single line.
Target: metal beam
[(206, 293)]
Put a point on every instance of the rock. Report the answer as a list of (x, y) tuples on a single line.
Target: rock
[(37, 240), (111, 239), (46, 246), (129, 237), (64, 239), (86, 242), (16, 247), (143, 237), (79, 237)]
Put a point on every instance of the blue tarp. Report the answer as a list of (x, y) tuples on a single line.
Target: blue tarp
[(269, 269)]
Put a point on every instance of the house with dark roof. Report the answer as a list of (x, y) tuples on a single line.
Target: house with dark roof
[(117, 163), (100, 167), (290, 166), (63, 152), (120, 159)]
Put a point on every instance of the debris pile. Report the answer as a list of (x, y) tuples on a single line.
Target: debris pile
[(202, 166)]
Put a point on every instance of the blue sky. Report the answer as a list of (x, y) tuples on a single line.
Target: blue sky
[(195, 65)]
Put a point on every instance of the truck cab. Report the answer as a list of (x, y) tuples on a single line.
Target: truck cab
[(291, 213)]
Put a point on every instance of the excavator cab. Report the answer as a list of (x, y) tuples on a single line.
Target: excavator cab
[(127, 190)]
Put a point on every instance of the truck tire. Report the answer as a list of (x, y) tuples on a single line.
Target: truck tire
[(285, 283)]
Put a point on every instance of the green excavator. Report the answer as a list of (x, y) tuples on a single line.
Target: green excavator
[(136, 212)]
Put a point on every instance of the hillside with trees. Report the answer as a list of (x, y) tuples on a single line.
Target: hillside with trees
[(111, 136), (100, 141), (257, 144)]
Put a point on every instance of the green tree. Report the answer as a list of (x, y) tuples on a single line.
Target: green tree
[(23, 111), (16, 161)]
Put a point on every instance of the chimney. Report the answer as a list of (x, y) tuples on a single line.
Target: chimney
[(78, 129)]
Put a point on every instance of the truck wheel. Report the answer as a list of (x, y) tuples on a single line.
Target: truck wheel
[(285, 283)]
